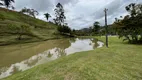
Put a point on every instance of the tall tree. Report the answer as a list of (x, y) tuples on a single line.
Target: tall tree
[(47, 15), (131, 8), (7, 3), (130, 26), (60, 17), (96, 27)]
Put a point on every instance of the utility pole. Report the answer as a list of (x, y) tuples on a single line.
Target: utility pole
[(106, 27)]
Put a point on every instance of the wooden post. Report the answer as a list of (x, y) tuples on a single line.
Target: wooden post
[(106, 27)]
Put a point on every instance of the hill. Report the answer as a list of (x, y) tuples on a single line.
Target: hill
[(16, 27)]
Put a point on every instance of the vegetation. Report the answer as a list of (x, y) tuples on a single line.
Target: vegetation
[(60, 20), (30, 12), (47, 15), (114, 63), (18, 28), (96, 28), (130, 27), (64, 29), (83, 32), (60, 17)]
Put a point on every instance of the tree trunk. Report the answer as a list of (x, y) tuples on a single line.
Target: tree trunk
[(141, 36), (20, 37)]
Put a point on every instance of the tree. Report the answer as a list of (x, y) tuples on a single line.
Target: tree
[(130, 26), (30, 12), (47, 15), (60, 20), (33, 13), (60, 17), (96, 28), (131, 8), (7, 3), (64, 29)]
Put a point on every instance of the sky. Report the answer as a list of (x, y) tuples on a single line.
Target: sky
[(79, 13)]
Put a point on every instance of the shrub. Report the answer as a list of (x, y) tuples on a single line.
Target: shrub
[(64, 29)]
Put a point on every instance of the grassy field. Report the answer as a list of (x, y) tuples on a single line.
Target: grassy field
[(121, 61), (13, 23)]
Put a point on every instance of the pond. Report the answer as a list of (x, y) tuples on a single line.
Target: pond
[(16, 58)]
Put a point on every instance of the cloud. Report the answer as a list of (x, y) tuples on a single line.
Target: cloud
[(66, 1), (88, 12), (79, 13), (39, 5)]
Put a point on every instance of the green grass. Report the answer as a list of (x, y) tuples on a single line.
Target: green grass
[(11, 22), (121, 61)]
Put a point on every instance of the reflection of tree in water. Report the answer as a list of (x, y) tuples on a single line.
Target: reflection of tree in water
[(49, 55), (61, 52), (60, 46), (15, 69), (72, 40), (3, 69), (32, 62), (54, 50), (94, 40)]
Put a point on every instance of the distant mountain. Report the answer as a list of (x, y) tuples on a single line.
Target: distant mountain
[(86, 30)]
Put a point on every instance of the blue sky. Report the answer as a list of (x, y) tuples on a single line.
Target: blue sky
[(79, 13)]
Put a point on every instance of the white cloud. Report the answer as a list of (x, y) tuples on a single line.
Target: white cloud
[(80, 13)]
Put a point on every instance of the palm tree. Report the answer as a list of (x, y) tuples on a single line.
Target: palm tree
[(47, 15)]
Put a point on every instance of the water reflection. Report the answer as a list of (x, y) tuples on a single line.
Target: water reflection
[(62, 48)]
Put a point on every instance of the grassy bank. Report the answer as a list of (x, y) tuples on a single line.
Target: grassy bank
[(121, 61), (14, 24)]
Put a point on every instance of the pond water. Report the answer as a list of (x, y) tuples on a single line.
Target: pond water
[(16, 58)]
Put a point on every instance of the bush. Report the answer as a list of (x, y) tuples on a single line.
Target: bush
[(64, 29)]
